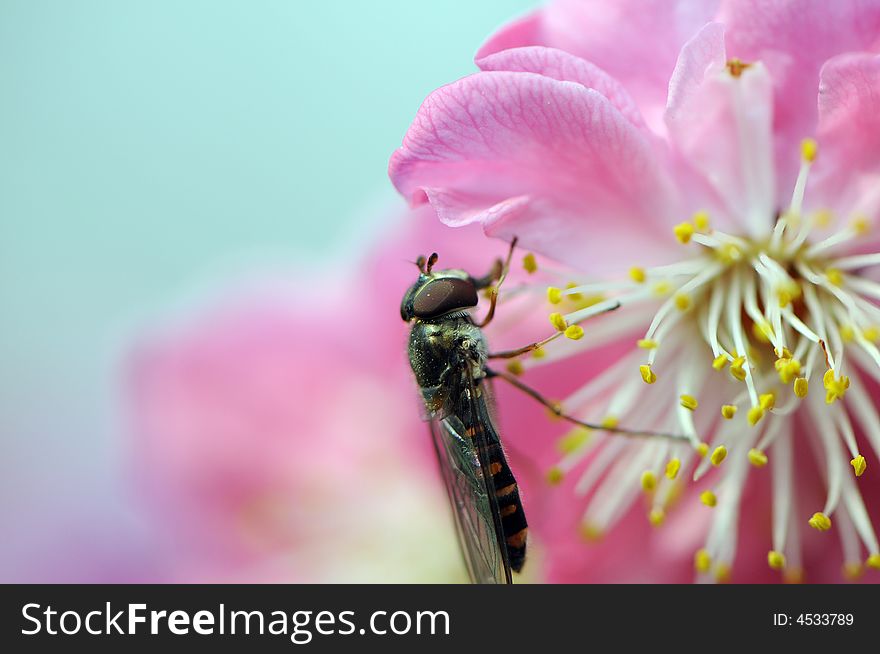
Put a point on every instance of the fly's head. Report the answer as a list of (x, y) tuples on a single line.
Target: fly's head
[(438, 293)]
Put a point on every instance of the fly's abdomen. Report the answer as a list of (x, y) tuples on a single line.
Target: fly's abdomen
[(513, 518)]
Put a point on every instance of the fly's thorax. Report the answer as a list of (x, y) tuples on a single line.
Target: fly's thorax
[(439, 350)]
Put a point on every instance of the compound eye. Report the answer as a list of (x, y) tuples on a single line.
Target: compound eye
[(444, 295)]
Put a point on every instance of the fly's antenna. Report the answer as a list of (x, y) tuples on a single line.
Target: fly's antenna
[(420, 264), (431, 261)]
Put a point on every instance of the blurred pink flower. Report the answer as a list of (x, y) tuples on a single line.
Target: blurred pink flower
[(729, 156)]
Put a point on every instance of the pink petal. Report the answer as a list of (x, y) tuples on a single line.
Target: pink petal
[(847, 172), (703, 51), (565, 67), (552, 162), (634, 41), (794, 39), (722, 126), (849, 112)]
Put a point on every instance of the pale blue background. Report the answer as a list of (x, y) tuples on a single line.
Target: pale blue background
[(147, 148)]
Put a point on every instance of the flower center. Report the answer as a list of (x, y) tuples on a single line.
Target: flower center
[(741, 294), (743, 328)]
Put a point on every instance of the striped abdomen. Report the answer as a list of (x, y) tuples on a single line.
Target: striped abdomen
[(513, 518)]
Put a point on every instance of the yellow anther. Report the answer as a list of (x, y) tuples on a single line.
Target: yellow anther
[(708, 498), (853, 570), (793, 575), (701, 220), (828, 378), (574, 332), (702, 561), (689, 402), (558, 321), (657, 516), (719, 362), (755, 415), (757, 458), (539, 353), (682, 301), (835, 387), (529, 263), (647, 343), (809, 150), (728, 411), (662, 287), (859, 464), (722, 573), (672, 468), (873, 561), (728, 253), (515, 367), (820, 521), (610, 422), (637, 274), (861, 225), (649, 481), (736, 67), (822, 217), (785, 298), (788, 293), (554, 476), (554, 295), (762, 331), (737, 368), (683, 232), (788, 369), (648, 375), (573, 440), (871, 333), (834, 276), (576, 297), (702, 449), (591, 533), (801, 387), (767, 401), (718, 455), (776, 560)]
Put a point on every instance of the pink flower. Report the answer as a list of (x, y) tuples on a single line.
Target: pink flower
[(715, 172)]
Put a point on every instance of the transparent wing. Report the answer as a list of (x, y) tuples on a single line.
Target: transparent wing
[(471, 494)]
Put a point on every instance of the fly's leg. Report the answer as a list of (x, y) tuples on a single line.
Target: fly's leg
[(531, 347), (493, 301), (557, 410), (499, 271)]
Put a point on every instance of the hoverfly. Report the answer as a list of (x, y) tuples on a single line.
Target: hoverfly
[(449, 355)]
